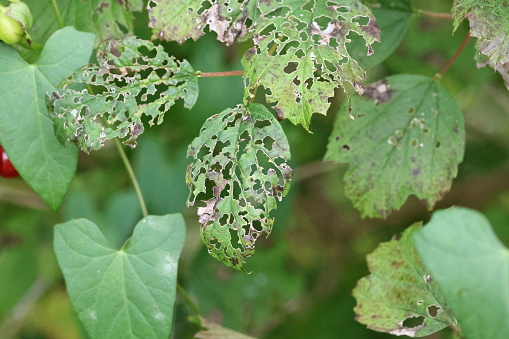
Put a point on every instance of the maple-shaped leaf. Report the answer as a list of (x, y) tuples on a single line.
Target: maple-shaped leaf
[(300, 54), (489, 22), (239, 173), (400, 289), (133, 78), (407, 138), (179, 20)]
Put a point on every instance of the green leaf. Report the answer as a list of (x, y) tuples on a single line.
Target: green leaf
[(407, 138), (133, 78), (105, 18), (489, 22), (300, 54), (400, 289), (216, 331), (393, 18), (471, 267), (179, 20), (26, 132), (126, 293), (239, 173)]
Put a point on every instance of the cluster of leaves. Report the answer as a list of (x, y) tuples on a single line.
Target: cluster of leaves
[(402, 136)]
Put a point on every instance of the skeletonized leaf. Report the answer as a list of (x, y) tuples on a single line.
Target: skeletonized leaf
[(471, 267), (400, 289), (300, 54), (239, 173), (489, 22), (133, 78), (407, 138), (126, 293), (179, 20)]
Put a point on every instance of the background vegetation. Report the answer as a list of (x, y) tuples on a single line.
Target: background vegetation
[(304, 272)]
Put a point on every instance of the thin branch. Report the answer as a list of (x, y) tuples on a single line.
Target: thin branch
[(312, 169), (188, 300), (460, 49), (57, 13), (217, 74), (433, 14), (20, 311), (130, 170)]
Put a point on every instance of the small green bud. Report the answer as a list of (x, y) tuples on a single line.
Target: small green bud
[(15, 21)]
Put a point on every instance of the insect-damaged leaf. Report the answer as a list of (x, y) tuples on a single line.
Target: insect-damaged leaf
[(133, 78), (489, 22), (179, 20), (239, 173), (407, 138), (400, 290), (471, 267), (300, 54)]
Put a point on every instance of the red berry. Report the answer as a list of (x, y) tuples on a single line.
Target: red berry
[(6, 168)]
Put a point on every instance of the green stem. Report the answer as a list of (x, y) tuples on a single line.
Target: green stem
[(57, 13), (433, 14), (217, 74), (188, 300), (130, 170)]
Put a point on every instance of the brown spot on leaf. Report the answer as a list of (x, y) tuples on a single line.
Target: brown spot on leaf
[(379, 91)]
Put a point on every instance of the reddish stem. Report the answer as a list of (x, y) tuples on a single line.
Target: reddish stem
[(454, 57), (434, 14), (218, 74)]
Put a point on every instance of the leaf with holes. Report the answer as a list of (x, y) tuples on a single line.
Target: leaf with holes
[(407, 138), (300, 54), (133, 78), (106, 18), (239, 173), (489, 22), (26, 132), (399, 296), (471, 267), (179, 20), (126, 293)]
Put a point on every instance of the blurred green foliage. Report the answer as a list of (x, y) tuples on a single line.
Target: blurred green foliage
[(303, 273)]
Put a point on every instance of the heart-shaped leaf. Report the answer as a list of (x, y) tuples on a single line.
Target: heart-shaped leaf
[(471, 267), (126, 293), (26, 132)]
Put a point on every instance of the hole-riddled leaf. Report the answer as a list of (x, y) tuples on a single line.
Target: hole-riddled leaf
[(126, 293), (398, 295), (471, 267), (239, 173), (314, 36), (407, 138), (179, 20), (133, 78), (26, 132), (489, 22)]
